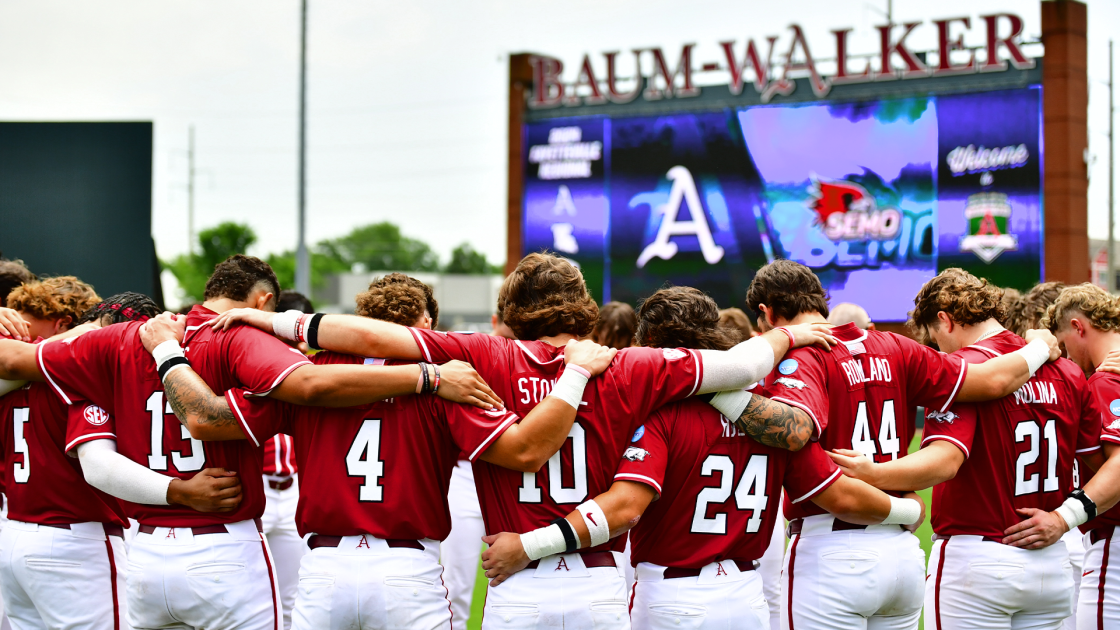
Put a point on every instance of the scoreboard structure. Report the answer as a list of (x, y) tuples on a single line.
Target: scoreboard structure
[(875, 170)]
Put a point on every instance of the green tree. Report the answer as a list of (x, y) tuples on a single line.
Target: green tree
[(215, 245), (284, 264), (465, 259), (380, 246)]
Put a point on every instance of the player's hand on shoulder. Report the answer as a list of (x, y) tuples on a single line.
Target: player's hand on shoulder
[(1037, 530), (1048, 337), (161, 328), (504, 557), (589, 355), (855, 464), (14, 326), (211, 490), (915, 496), (1111, 363), (459, 382), (250, 316), (812, 334)]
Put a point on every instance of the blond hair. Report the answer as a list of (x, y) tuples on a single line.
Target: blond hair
[(54, 298), (1097, 305)]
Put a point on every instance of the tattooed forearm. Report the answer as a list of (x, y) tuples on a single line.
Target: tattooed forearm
[(774, 424), (190, 397)]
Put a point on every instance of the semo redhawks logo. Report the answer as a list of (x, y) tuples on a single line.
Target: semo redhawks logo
[(96, 415), (847, 212)]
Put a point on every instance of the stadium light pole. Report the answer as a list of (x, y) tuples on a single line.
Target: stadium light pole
[(303, 264), (1111, 180)]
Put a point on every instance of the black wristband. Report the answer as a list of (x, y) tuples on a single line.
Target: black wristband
[(1089, 505), (571, 541), (313, 331), (427, 388), (166, 366)]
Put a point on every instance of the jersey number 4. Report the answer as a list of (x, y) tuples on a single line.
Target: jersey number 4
[(363, 460), (158, 459), (889, 444), (750, 493)]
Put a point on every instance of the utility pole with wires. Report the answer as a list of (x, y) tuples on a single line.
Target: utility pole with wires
[(303, 263), (1111, 180)]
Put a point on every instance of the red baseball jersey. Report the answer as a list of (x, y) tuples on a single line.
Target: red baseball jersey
[(863, 393), (1026, 444), (279, 458), (46, 486), (380, 469), (1105, 388), (111, 369), (719, 489), (615, 403)]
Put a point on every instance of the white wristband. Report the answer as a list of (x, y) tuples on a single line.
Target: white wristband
[(1035, 353), (167, 350), (543, 542), (1073, 512), (569, 387), (596, 521), (731, 404), (903, 512), (286, 325)]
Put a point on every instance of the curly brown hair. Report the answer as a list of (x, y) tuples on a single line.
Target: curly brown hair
[(237, 276), (616, 325), (736, 319), (789, 289), (399, 299), (1013, 306), (12, 274), (968, 300), (1035, 304), (1101, 309), (683, 317), (54, 298), (546, 296)]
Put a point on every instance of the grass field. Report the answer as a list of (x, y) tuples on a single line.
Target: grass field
[(924, 535)]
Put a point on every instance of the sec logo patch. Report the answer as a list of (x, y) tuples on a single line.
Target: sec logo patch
[(96, 415), (639, 433), (1114, 407), (787, 367)]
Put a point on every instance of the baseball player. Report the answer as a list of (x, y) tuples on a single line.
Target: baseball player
[(716, 495), (862, 396), (545, 299), (1018, 450)]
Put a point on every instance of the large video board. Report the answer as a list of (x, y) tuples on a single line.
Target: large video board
[(875, 196)]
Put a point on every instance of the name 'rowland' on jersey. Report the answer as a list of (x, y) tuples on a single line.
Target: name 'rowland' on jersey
[(614, 405), (1024, 445), (862, 394), (719, 489)]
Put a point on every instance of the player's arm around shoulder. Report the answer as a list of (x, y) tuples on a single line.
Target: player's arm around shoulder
[(350, 334), (937, 462), (854, 501), (1000, 376)]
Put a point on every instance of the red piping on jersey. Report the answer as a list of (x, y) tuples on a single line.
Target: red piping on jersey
[(272, 582), (420, 342), (559, 357), (447, 596), (937, 584), (1100, 584), (633, 594), (946, 438), (232, 399), (113, 582), (789, 601)]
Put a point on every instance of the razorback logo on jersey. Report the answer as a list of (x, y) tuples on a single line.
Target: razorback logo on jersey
[(791, 383), (1115, 424), (96, 415), (673, 354), (636, 454), (941, 416)]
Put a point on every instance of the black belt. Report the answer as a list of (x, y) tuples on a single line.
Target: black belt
[(674, 572), (281, 485), (111, 529), (797, 524), (984, 538), (1103, 532), (318, 540), (591, 560), (200, 530)]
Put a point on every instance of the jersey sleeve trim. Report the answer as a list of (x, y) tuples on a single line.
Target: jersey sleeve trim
[(955, 441), (89, 438), (279, 379), (821, 488), (699, 375), (802, 408), (43, 369), (510, 419), (956, 388), (1115, 439), (1088, 450), (640, 478), (232, 400), (420, 342)]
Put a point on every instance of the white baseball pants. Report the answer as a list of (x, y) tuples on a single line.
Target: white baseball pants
[(720, 598), (181, 581), (770, 569), (459, 554), (363, 584), (986, 585), (1076, 547), (561, 593), (279, 522), (852, 579), (1098, 605), (62, 578)]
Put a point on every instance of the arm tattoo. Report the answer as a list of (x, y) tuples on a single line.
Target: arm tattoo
[(189, 395), (774, 424)]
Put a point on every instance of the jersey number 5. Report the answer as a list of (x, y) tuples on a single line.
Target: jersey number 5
[(750, 494), (21, 472)]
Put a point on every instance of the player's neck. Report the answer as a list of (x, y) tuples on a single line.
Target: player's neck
[(221, 305), (1101, 344), (977, 332), (560, 340), (811, 317)]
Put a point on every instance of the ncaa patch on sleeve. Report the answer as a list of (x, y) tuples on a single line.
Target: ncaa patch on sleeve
[(642, 431), (1114, 407), (787, 367)]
